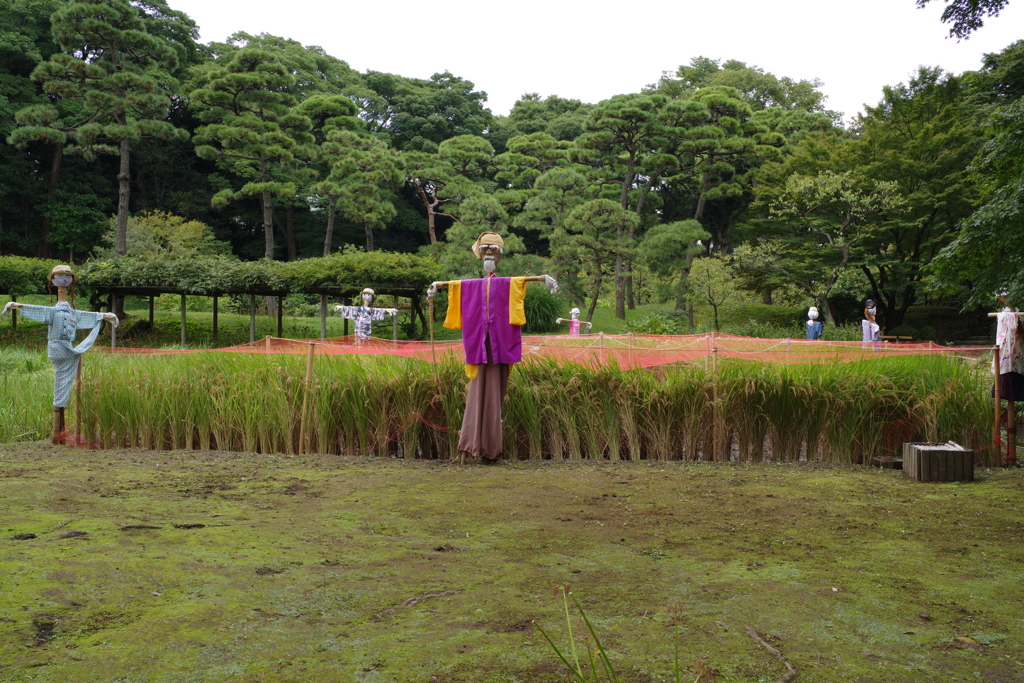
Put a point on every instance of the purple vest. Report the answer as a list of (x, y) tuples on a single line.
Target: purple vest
[(481, 320)]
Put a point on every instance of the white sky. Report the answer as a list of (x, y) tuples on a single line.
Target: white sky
[(594, 50)]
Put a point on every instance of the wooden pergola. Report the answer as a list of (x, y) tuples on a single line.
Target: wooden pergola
[(408, 291)]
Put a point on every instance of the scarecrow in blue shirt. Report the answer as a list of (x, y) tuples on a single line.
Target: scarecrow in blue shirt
[(63, 322)]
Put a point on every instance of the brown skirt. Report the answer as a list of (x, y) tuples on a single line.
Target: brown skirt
[(482, 431)]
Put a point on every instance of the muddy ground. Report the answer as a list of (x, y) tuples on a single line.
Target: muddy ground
[(208, 566)]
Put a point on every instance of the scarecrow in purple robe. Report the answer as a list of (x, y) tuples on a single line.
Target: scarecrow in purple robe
[(490, 313)]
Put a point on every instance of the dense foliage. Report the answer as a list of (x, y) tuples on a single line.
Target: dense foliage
[(218, 274), (114, 117)]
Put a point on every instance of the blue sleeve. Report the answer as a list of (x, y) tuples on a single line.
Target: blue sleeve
[(42, 314)]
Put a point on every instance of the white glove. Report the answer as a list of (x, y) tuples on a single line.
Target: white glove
[(432, 290), (391, 311), (112, 319), (550, 283), (10, 305), (337, 309)]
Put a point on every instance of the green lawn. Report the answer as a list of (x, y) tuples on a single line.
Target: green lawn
[(200, 566)]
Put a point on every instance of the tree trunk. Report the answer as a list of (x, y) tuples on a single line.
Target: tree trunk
[(766, 296), (594, 297), (369, 236), (289, 233), (431, 223), (620, 288), (332, 202), (56, 160), (123, 194), (268, 225), (825, 310)]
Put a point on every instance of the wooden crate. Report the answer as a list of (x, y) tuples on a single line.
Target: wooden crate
[(938, 462)]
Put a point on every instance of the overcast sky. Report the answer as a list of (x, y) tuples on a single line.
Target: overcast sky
[(592, 51)]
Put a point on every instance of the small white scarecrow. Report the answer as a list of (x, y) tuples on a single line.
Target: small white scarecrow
[(814, 328), (365, 315), (64, 321), (574, 322)]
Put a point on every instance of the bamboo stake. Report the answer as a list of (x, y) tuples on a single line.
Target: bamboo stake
[(997, 457), (714, 398), (305, 397), (78, 397)]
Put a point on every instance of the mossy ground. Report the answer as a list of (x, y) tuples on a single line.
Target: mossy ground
[(277, 568)]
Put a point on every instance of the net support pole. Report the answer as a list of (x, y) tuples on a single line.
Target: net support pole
[(152, 309), (183, 340), (394, 325), (997, 458), (252, 318), (216, 302), (14, 315)]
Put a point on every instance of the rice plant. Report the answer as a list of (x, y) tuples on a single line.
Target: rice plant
[(383, 405)]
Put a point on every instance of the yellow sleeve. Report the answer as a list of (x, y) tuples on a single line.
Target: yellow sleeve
[(471, 370), (516, 297), (453, 318)]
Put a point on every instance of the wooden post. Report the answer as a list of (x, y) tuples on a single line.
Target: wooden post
[(152, 309), (252, 318), (280, 316), (113, 328), (14, 316), (394, 324), (182, 321), (216, 302), (323, 317), (305, 398), (267, 341), (345, 328), (997, 458)]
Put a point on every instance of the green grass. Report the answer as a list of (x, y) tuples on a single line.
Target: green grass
[(357, 569)]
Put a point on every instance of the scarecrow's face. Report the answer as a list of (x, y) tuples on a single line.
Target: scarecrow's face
[(63, 280), (490, 254), (368, 299)]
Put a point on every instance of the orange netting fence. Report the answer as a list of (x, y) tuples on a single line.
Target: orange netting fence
[(623, 350)]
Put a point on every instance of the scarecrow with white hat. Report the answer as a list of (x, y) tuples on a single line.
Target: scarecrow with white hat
[(365, 315), (64, 321), (814, 328), (574, 322), (490, 312)]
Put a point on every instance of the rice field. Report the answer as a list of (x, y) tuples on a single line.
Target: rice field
[(391, 406)]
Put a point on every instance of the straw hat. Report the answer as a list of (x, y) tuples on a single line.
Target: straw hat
[(61, 270), (491, 238), (368, 291)]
